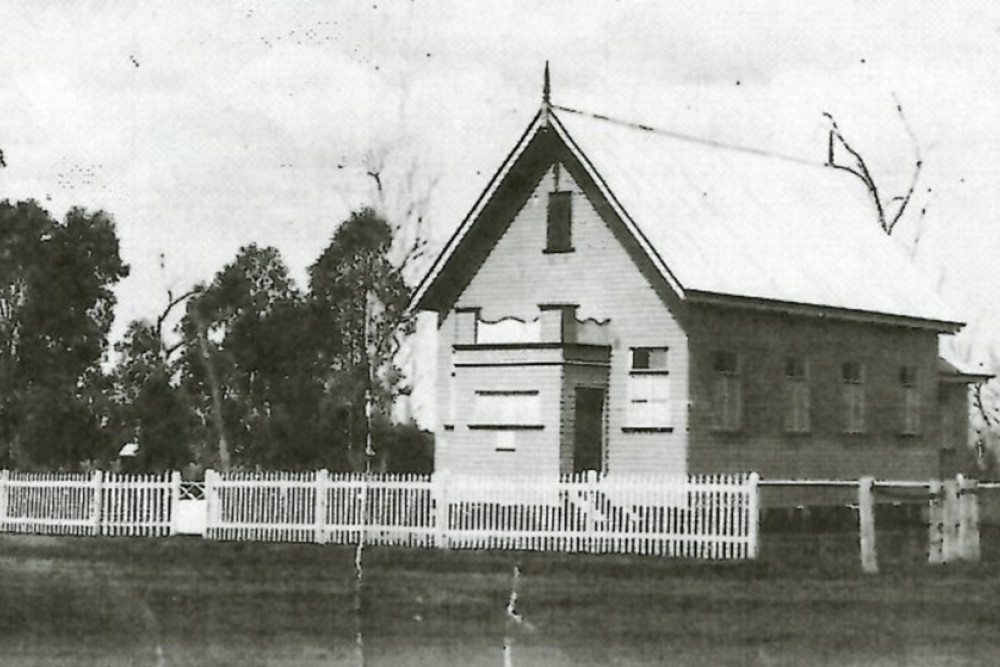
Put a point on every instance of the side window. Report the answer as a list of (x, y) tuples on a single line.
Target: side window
[(853, 376), (910, 388), (648, 404), (796, 395), (559, 222), (727, 391)]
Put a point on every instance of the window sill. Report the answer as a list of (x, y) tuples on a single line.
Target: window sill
[(560, 251), (449, 427), (647, 429), (506, 427), (648, 371), (909, 436)]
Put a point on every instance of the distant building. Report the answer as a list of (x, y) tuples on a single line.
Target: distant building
[(627, 299)]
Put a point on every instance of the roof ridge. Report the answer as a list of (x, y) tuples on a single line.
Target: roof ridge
[(691, 138)]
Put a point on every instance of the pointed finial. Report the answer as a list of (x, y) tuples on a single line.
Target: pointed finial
[(547, 87)]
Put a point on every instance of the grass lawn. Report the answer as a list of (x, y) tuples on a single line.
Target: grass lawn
[(184, 601)]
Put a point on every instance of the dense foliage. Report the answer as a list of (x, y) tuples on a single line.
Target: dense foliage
[(255, 374), (56, 309)]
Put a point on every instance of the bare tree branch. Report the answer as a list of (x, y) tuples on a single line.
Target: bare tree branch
[(887, 220), (172, 302)]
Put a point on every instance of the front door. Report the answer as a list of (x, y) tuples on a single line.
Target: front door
[(588, 431)]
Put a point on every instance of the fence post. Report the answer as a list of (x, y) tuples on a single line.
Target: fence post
[(952, 519), (210, 502), (866, 521), (175, 500), (935, 520), (97, 501), (753, 516), (321, 487), (968, 529), (439, 492), (591, 538), (4, 493)]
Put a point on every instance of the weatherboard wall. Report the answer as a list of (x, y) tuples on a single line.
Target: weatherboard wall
[(602, 276), (763, 341)]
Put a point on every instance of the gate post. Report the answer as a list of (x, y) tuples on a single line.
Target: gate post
[(211, 500), (950, 549), (321, 486), (935, 520), (968, 530), (4, 493), (175, 501), (753, 516), (97, 501), (866, 525)]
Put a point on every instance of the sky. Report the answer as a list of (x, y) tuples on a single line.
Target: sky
[(202, 127)]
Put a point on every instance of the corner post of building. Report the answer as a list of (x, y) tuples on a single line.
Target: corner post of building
[(753, 516), (321, 487), (439, 493), (935, 523), (97, 500), (866, 525), (968, 529), (4, 494), (175, 501)]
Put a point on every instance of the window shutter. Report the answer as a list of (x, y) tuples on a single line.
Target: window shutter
[(559, 223)]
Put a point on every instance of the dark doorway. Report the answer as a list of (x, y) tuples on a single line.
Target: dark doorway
[(588, 429)]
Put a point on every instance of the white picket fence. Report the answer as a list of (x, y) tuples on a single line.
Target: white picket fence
[(97, 503), (708, 516)]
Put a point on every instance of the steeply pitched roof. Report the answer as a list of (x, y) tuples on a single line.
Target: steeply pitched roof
[(740, 224)]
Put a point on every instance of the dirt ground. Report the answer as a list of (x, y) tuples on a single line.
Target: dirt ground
[(184, 601)]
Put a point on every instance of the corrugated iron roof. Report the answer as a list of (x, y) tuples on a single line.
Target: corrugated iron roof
[(737, 223), (744, 223)]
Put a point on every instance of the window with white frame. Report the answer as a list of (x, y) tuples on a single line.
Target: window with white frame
[(910, 387), (727, 391), (507, 409), (648, 404), (796, 395), (853, 375)]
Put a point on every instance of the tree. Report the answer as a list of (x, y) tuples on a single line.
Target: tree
[(359, 298), (249, 357), (56, 309), (151, 409)]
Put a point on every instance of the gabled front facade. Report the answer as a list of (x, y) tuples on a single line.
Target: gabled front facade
[(584, 324)]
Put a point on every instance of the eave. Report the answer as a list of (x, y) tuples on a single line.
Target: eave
[(819, 311)]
